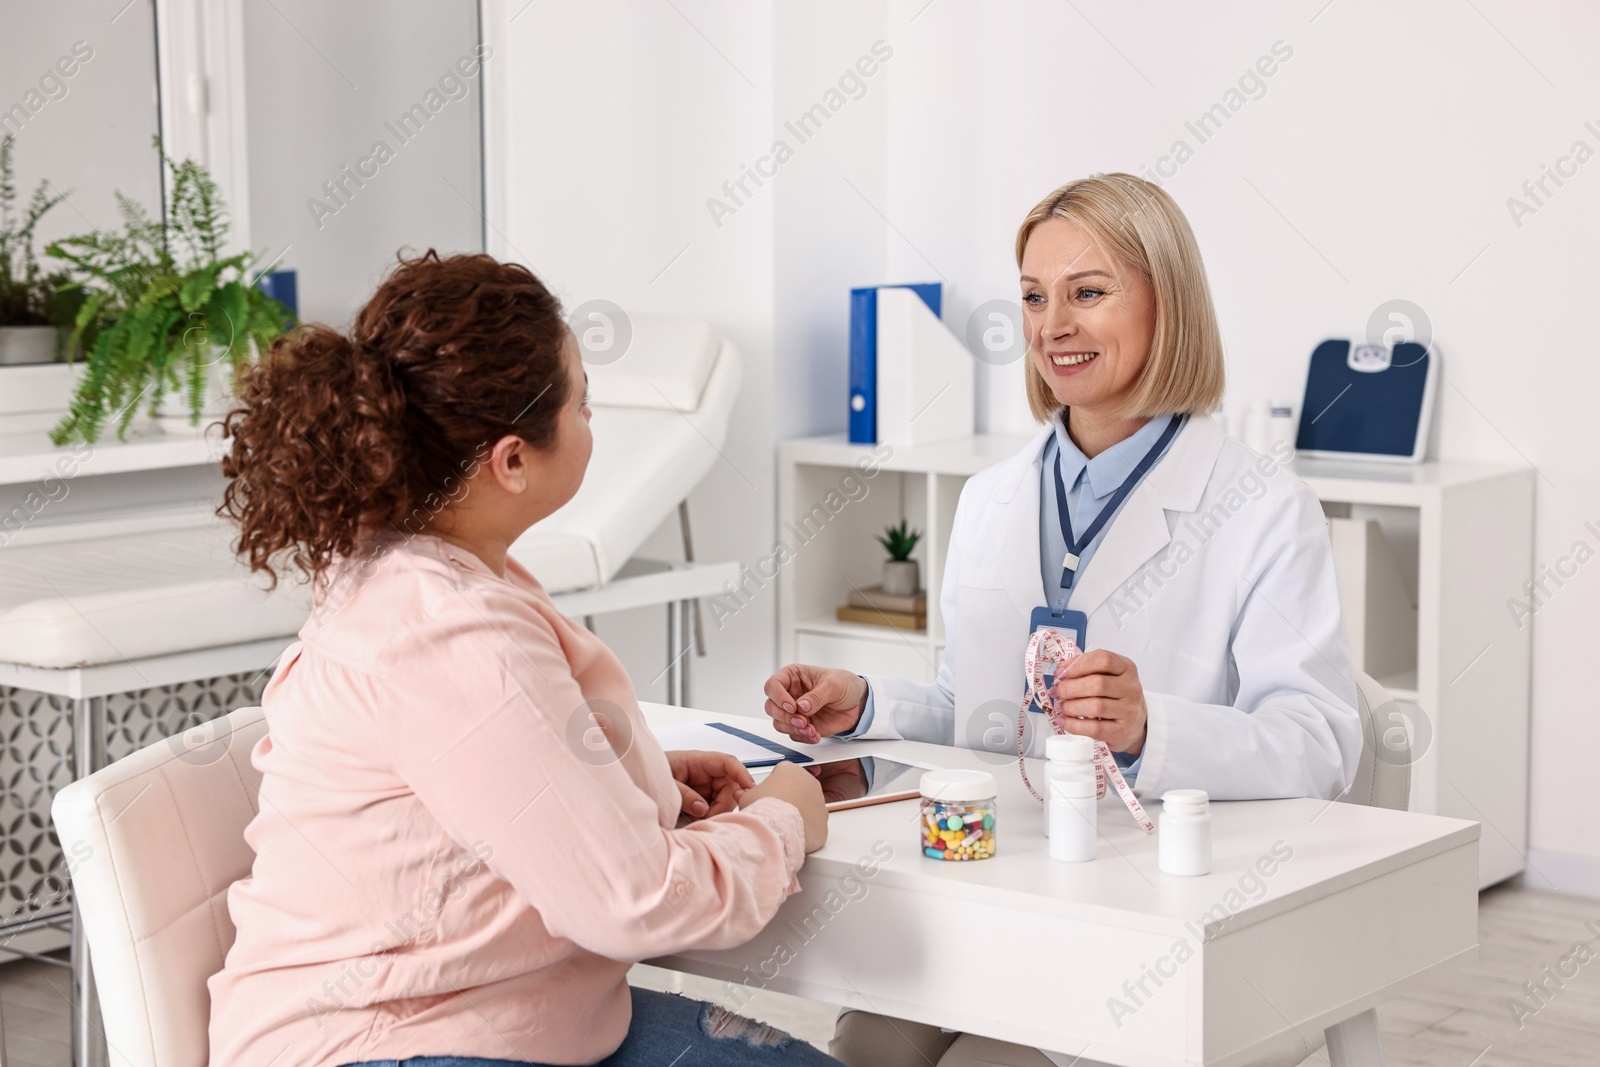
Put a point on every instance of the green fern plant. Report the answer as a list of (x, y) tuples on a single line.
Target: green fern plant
[(162, 303), (29, 296), (899, 541)]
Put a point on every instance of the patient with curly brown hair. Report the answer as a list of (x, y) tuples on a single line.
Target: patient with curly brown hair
[(442, 878)]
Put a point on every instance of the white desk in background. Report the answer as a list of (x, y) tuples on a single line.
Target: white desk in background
[(1113, 960)]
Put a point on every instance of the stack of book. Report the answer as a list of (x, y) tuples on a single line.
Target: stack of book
[(877, 608)]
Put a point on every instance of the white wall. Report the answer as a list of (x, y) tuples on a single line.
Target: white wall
[(324, 83), (827, 233), (1376, 165), (623, 119)]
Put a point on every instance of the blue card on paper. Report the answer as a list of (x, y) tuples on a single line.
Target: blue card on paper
[(779, 752), (748, 748)]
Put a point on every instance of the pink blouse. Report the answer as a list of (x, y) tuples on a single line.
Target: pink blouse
[(454, 855)]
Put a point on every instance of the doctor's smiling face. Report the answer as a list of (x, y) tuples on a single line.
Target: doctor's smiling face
[(1089, 321)]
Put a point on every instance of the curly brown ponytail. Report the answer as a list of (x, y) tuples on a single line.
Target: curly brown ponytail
[(334, 437)]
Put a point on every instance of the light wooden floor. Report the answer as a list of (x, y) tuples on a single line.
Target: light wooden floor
[(1462, 1021)]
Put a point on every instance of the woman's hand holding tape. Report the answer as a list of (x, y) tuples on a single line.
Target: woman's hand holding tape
[(1099, 695)]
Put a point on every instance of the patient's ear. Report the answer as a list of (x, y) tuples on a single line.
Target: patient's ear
[(509, 462)]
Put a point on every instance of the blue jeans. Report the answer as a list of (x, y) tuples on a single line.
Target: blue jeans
[(673, 1031)]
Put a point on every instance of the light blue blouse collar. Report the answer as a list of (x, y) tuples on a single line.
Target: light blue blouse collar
[(1110, 468)]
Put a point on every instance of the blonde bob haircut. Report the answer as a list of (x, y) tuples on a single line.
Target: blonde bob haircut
[(1138, 223)]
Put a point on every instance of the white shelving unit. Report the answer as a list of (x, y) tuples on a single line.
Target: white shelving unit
[(1443, 643), (835, 550)]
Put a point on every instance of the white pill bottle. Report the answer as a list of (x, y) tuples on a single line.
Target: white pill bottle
[(1070, 756), (1183, 836), (1072, 819)]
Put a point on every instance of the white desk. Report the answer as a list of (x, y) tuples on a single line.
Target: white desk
[(1021, 948)]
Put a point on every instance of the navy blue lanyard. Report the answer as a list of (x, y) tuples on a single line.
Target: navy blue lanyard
[(1069, 565)]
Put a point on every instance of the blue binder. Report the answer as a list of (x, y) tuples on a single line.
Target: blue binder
[(281, 286), (1368, 401), (864, 355)]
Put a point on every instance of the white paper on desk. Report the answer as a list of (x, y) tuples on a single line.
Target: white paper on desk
[(707, 738)]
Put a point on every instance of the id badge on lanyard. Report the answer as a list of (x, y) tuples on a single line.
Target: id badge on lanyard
[(1072, 626), (1075, 624)]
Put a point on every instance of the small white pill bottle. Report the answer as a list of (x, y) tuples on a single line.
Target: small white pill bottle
[(1069, 756), (1184, 833), (1072, 819)]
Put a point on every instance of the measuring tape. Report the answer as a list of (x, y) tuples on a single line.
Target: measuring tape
[(1047, 646)]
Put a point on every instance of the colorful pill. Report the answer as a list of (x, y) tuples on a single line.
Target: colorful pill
[(957, 831)]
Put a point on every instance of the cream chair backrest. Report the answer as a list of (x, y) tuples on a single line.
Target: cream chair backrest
[(1383, 777), (154, 841)]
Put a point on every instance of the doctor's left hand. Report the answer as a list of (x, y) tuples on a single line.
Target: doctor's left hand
[(710, 783), (1099, 696)]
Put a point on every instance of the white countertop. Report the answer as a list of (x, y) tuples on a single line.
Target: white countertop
[(29, 457), (1334, 845)]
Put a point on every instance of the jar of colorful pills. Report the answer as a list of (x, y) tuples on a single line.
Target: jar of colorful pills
[(958, 814)]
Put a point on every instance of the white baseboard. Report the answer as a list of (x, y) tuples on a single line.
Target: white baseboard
[(1564, 872)]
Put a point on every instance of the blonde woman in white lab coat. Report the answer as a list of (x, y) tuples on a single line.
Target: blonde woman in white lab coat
[(1217, 657)]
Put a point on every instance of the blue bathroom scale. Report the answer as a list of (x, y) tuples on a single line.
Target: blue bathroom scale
[(1368, 401)]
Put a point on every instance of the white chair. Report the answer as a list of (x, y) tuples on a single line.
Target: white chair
[(88, 617), (1383, 777), (164, 829)]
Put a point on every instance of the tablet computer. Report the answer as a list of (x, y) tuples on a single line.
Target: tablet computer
[(857, 781)]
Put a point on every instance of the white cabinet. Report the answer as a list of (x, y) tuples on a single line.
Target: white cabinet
[(1459, 540), (1440, 548)]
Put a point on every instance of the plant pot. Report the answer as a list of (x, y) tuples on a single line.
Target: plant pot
[(171, 415), (901, 577), (27, 344), (172, 418)]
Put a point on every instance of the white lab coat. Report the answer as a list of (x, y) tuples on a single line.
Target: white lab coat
[(1215, 578)]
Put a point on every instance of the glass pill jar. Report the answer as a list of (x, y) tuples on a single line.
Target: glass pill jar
[(958, 815)]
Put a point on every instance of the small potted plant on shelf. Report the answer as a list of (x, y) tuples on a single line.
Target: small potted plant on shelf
[(33, 304), (166, 313), (901, 575)]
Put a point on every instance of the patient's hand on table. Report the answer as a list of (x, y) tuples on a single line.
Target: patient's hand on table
[(790, 783), (809, 703), (710, 782)]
